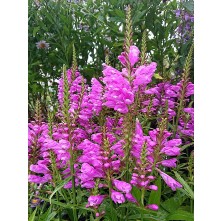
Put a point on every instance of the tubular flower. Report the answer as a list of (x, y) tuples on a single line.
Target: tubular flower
[(122, 186), (133, 56), (94, 201), (117, 197), (143, 75), (173, 184), (152, 206)]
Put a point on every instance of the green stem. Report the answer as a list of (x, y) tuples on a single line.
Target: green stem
[(73, 183), (142, 201), (142, 196), (59, 213)]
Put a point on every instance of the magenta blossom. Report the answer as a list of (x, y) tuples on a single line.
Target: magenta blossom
[(122, 186), (152, 206), (173, 184), (133, 56), (94, 201), (117, 197), (169, 163), (144, 74), (130, 198)]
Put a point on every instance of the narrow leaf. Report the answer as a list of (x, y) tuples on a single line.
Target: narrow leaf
[(185, 185), (32, 217), (180, 215), (59, 187)]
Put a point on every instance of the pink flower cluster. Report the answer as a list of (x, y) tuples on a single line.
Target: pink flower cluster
[(96, 133)]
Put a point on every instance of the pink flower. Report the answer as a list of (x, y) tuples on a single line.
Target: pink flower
[(170, 147), (38, 179), (171, 151), (153, 187), (144, 74), (173, 184), (118, 93), (40, 168), (169, 163), (152, 207), (95, 200), (122, 58), (122, 186), (134, 55), (117, 197), (130, 198)]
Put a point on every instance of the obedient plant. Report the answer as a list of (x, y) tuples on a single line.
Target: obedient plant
[(98, 142)]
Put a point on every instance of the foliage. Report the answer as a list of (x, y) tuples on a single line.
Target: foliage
[(97, 29)]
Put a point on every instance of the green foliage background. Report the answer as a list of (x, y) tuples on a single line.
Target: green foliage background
[(96, 28)]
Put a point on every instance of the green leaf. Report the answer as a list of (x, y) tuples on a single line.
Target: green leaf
[(119, 13), (181, 215), (48, 215), (32, 217), (185, 185), (189, 5), (187, 145), (149, 217), (111, 212), (155, 196), (136, 193), (91, 218), (54, 202), (59, 187), (51, 216), (36, 29), (173, 203)]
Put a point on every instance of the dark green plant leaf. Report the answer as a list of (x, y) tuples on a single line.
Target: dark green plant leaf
[(189, 5), (185, 185), (32, 216), (187, 145), (136, 193), (155, 196), (36, 29), (181, 215), (173, 203)]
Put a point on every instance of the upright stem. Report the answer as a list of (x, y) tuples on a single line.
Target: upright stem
[(65, 109), (73, 184), (142, 196)]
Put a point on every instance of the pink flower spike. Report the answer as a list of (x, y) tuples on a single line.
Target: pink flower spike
[(173, 184)]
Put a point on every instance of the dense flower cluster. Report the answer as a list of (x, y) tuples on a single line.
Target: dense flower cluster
[(95, 133)]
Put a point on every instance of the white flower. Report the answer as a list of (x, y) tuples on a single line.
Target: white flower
[(42, 45)]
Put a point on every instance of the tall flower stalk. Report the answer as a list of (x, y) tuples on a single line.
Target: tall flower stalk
[(67, 121), (184, 87)]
